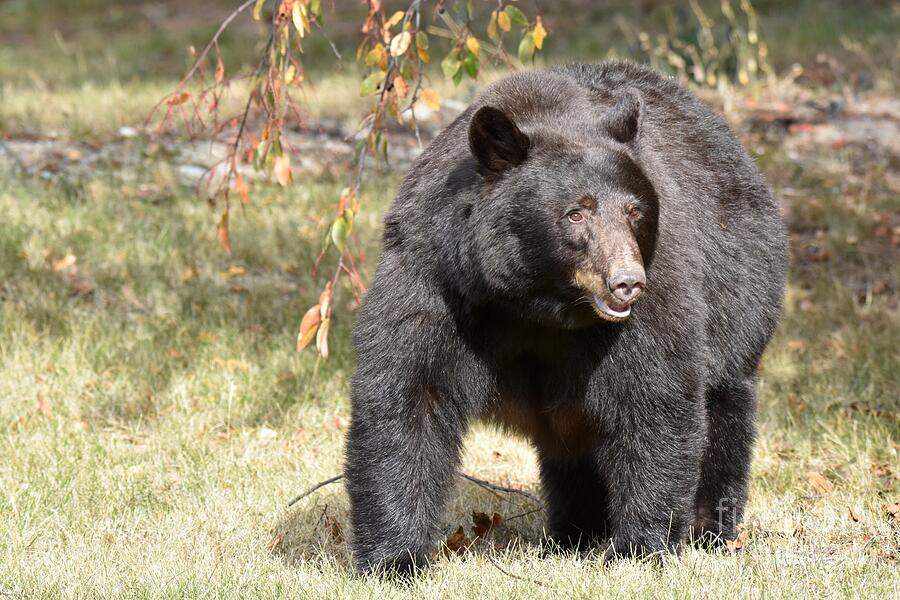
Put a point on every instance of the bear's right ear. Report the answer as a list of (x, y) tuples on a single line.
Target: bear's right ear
[(496, 141), (623, 120)]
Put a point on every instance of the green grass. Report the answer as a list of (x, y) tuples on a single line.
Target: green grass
[(155, 419)]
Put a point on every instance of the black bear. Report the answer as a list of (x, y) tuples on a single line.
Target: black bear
[(588, 257)]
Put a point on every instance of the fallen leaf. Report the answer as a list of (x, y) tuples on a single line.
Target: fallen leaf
[(819, 483), (63, 263), (743, 538), (335, 528), (855, 516), (457, 542), (484, 524)]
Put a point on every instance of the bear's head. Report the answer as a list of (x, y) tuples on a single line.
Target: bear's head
[(566, 225)]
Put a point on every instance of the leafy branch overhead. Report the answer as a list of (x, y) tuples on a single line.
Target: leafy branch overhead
[(395, 52)]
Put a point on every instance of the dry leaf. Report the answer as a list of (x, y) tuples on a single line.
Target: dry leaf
[(220, 70), (241, 187), (222, 231), (431, 99), (484, 524), (400, 86), (795, 344), (43, 406), (819, 483), (743, 538), (854, 516), (282, 169), (322, 338), (63, 263), (308, 326), (400, 44), (503, 21), (457, 542), (335, 528)]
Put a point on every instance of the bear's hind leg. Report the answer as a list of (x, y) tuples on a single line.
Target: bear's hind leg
[(576, 494), (725, 472)]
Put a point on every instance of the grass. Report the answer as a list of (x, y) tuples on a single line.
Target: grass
[(156, 420)]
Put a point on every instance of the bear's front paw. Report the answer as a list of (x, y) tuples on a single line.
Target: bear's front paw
[(628, 547), (404, 565)]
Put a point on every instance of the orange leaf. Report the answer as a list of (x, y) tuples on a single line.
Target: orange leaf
[(240, 187), (179, 99), (220, 70), (282, 169), (222, 231), (431, 99), (457, 542), (401, 86), (503, 21), (325, 301), (308, 326)]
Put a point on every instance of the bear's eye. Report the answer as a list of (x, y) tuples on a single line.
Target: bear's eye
[(575, 216), (634, 211)]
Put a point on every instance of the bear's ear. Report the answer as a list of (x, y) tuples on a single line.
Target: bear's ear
[(623, 120), (496, 141)]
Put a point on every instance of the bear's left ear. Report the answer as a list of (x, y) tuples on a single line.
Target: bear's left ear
[(496, 141), (623, 120)]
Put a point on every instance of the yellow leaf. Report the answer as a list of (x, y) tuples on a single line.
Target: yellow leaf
[(492, 26), (503, 21), (539, 34), (431, 99), (395, 18), (400, 44), (282, 169), (423, 54), (473, 45), (297, 18)]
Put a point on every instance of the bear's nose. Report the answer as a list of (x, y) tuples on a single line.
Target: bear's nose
[(626, 285)]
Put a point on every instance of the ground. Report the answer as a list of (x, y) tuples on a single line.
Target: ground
[(157, 421)]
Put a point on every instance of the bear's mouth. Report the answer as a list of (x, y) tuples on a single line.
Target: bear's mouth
[(611, 312)]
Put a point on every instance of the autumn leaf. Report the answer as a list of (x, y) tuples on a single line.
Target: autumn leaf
[(220, 70), (431, 99), (492, 26), (401, 87), (179, 99), (400, 44), (308, 326), (743, 538), (322, 338), (63, 263), (484, 524), (43, 406), (503, 21), (240, 187), (473, 45), (222, 231), (539, 34), (854, 516), (819, 483), (457, 542), (282, 169)]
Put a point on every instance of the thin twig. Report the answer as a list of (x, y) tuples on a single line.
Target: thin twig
[(499, 488), (514, 576), (314, 488), (479, 482)]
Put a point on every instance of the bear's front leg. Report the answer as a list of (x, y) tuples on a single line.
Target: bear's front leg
[(652, 463), (402, 454)]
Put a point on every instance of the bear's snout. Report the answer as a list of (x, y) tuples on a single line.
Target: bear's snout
[(627, 284)]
